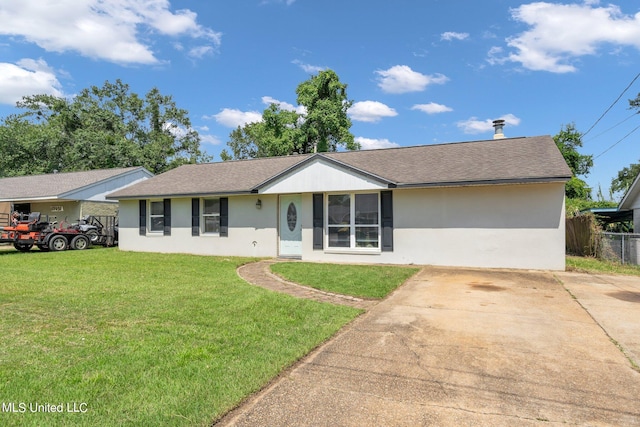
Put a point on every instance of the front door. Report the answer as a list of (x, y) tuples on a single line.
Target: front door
[(290, 225)]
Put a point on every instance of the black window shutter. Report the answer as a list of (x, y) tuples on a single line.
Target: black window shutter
[(224, 216), (195, 217), (167, 217), (386, 206), (318, 220), (143, 217)]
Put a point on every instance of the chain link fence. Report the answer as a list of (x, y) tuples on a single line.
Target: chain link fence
[(620, 247)]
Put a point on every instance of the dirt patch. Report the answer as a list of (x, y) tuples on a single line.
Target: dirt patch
[(626, 296), (486, 286)]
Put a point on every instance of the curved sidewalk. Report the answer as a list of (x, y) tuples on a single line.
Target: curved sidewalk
[(259, 274)]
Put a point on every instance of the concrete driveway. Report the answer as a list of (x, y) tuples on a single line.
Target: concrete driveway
[(467, 348)]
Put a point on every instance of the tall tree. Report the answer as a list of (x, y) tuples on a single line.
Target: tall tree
[(326, 124), (102, 127), (568, 140), (323, 127)]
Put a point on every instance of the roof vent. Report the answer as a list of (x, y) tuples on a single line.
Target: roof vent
[(499, 126)]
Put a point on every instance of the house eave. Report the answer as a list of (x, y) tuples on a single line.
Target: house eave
[(484, 182), (181, 195), (630, 194)]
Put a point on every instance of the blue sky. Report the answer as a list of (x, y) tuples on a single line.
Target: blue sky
[(419, 72)]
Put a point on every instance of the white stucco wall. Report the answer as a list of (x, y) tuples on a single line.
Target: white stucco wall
[(500, 226), (252, 232)]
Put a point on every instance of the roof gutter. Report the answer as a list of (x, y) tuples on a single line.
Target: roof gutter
[(559, 179), (180, 195)]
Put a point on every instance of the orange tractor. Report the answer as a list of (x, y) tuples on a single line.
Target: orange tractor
[(23, 233)]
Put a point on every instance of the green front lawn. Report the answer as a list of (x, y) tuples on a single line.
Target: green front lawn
[(143, 339), (595, 265), (367, 281)]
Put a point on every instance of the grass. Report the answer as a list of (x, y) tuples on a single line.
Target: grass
[(367, 281), (594, 265), (143, 339)]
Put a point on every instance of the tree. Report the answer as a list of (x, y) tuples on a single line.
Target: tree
[(326, 124), (323, 127), (102, 127), (628, 174), (568, 140), (625, 178)]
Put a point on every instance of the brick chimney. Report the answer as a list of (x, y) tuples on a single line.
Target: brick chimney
[(498, 126)]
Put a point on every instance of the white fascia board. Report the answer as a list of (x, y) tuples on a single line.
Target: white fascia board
[(632, 194)]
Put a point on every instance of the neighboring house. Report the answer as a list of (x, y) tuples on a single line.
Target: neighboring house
[(631, 202), (495, 203), (67, 196)]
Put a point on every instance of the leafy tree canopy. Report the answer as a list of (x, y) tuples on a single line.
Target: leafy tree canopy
[(323, 127), (568, 140), (102, 127), (627, 175), (625, 178)]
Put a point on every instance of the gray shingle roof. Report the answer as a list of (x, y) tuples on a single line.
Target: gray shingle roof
[(532, 159), (55, 184), (508, 159)]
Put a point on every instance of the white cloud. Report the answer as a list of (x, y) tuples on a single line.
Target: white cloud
[(474, 126), (300, 109), (27, 77), (450, 35), (373, 144), (201, 51), (287, 2), (370, 111), (101, 29), (210, 139), (308, 68), (560, 33), (402, 79), (432, 108), (233, 118)]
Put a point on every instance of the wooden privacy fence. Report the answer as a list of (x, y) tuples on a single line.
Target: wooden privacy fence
[(582, 236)]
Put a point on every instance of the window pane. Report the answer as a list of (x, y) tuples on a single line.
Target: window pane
[(157, 208), (366, 208), (339, 209), (157, 223), (212, 224), (211, 206), (339, 237), (367, 237)]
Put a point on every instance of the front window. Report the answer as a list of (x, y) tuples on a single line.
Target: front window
[(211, 215), (353, 220), (156, 215)]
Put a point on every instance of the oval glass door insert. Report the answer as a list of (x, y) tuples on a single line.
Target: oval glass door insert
[(292, 216)]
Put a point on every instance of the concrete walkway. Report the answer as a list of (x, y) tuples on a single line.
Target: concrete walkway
[(259, 274), (457, 347), (614, 303)]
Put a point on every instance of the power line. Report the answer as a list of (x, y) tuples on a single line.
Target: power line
[(614, 103), (618, 142), (612, 127)]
